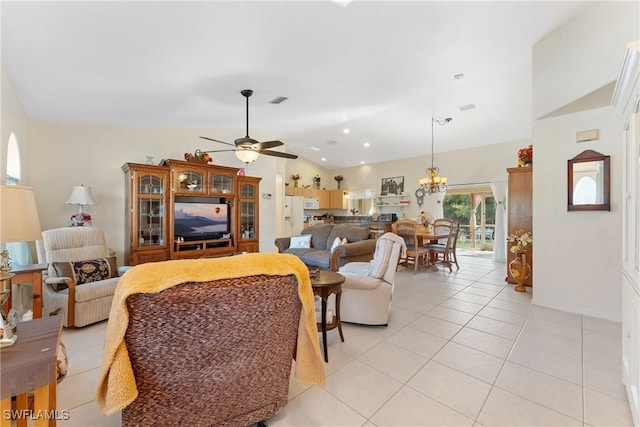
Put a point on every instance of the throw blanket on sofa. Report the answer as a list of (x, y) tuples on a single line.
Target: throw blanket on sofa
[(117, 385)]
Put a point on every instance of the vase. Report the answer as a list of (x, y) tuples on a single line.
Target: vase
[(338, 184), (317, 184), (295, 183), (520, 270)]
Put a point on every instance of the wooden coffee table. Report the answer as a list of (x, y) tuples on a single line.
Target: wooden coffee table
[(324, 284)]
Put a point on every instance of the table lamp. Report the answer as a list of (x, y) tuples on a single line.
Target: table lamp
[(80, 195), (19, 222)]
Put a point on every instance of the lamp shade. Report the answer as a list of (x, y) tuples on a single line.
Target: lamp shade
[(19, 221), (80, 195), (247, 155)]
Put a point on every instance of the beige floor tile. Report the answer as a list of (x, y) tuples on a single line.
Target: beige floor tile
[(516, 307), (437, 327), (477, 299), (507, 409), (394, 361), (485, 342), (402, 315), (510, 317), (470, 361), (450, 315), (419, 342), (603, 410), (467, 307), (77, 390), (602, 325), (416, 305), (557, 344), (316, 407), (548, 362), (85, 359), (546, 390), (603, 380), (550, 327), (361, 387), (411, 408), (89, 415), (558, 316), (495, 327), (453, 388), (482, 292)]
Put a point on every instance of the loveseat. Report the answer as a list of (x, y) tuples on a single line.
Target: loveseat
[(360, 246)]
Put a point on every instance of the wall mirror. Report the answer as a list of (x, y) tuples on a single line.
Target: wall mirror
[(588, 180)]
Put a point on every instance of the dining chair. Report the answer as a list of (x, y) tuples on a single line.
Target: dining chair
[(444, 251), (416, 252)]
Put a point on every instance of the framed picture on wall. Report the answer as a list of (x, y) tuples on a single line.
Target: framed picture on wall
[(392, 186)]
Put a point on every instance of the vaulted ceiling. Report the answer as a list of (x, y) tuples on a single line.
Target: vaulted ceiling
[(380, 69)]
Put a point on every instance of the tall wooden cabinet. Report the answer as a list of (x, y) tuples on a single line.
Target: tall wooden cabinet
[(520, 211), (146, 201), (151, 193), (248, 207)]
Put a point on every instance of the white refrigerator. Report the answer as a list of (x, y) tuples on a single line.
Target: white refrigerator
[(293, 215)]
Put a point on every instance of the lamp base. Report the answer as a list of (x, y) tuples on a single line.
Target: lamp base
[(6, 342)]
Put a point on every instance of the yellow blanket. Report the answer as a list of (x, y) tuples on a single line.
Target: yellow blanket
[(117, 386)]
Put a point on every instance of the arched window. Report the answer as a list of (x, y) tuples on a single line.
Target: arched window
[(585, 192), (14, 171), (19, 252)]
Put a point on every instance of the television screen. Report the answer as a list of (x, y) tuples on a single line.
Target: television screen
[(201, 220)]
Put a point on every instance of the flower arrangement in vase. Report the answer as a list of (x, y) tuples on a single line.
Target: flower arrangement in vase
[(198, 157), (316, 181), (338, 179), (296, 177), (525, 156), (518, 267)]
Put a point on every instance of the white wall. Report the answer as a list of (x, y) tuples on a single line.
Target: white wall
[(65, 155), (583, 55), (577, 255)]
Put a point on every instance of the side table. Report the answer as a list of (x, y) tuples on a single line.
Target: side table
[(324, 284), (31, 273), (30, 366)]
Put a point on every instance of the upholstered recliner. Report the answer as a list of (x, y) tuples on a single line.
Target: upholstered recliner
[(209, 341), (82, 274), (368, 286)]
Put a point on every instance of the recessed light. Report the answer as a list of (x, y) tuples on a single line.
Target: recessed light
[(314, 148), (324, 159), (345, 130), (362, 162), (366, 144)]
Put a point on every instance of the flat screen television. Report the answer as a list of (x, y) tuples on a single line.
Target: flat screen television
[(201, 218)]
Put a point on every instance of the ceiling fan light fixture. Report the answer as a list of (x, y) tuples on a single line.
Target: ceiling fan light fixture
[(247, 155)]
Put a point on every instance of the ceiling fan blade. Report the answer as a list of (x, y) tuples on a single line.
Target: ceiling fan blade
[(216, 151), (278, 154), (217, 140), (268, 144)]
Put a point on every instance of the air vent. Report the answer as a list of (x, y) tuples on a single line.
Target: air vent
[(467, 107), (278, 100), (331, 142)]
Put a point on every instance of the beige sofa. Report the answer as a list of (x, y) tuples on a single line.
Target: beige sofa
[(360, 246)]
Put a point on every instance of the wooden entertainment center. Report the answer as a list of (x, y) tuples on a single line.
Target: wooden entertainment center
[(152, 193)]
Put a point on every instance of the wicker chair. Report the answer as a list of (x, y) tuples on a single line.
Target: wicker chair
[(212, 353)]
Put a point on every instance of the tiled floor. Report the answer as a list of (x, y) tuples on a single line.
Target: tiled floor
[(461, 349)]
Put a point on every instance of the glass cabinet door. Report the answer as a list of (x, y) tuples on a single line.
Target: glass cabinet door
[(190, 181), (221, 184), (248, 212), (150, 211)]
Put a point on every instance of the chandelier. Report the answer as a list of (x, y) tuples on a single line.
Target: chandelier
[(432, 183)]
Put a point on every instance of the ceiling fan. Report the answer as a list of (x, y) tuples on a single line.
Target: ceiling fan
[(248, 149)]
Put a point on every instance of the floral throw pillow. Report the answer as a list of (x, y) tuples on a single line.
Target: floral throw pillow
[(87, 271)]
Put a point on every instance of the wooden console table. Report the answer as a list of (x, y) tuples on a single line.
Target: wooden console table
[(30, 366), (31, 273)]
